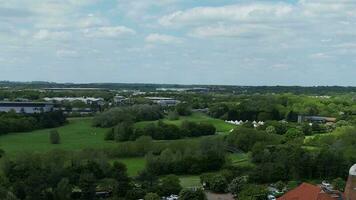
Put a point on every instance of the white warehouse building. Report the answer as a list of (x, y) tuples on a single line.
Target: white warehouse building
[(26, 107)]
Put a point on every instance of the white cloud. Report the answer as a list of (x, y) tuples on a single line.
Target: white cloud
[(161, 38), (64, 53), (92, 20), (45, 34), (108, 32), (139, 9), (320, 55), (240, 12)]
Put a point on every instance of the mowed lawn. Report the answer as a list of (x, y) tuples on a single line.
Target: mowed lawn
[(134, 165), (77, 134), (190, 181), (221, 126)]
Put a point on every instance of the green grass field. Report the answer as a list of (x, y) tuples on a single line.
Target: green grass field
[(221, 126), (134, 165), (77, 134), (192, 181), (240, 159)]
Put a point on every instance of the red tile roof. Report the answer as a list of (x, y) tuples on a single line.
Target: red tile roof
[(307, 191)]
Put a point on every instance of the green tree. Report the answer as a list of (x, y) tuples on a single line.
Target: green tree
[(236, 185), (253, 192), (280, 185), (339, 184), (87, 185), (119, 173), (271, 130), (218, 184), (54, 137), (110, 134), (173, 115), (7, 195), (294, 133), (2, 152), (147, 179), (170, 185), (135, 193), (152, 196), (184, 109), (188, 194), (63, 190)]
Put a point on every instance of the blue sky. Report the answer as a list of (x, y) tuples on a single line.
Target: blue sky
[(235, 42)]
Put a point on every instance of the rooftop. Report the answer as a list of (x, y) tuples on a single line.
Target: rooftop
[(14, 104), (307, 191)]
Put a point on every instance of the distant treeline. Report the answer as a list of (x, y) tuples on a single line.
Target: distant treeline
[(159, 131), (13, 122), (132, 114), (317, 90), (283, 106)]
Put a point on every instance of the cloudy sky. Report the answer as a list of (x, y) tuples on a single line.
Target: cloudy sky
[(235, 42)]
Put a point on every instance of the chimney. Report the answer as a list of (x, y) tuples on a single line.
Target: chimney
[(350, 190)]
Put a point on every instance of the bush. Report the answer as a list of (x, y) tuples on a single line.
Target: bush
[(170, 185), (2, 152), (216, 183), (173, 115), (109, 135), (152, 196), (15, 122), (54, 137), (189, 194), (184, 109)]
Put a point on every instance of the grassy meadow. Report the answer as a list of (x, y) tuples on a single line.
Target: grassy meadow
[(80, 134), (77, 134)]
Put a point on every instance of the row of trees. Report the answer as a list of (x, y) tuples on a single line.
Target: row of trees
[(131, 114), (14, 122), (278, 107), (84, 175), (208, 156), (54, 176), (126, 131)]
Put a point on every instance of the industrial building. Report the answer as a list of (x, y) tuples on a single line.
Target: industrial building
[(26, 107)]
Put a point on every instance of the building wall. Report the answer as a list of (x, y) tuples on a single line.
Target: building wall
[(27, 109)]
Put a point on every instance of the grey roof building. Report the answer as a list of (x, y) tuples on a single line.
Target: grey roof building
[(26, 107)]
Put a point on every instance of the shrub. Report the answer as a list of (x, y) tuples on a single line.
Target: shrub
[(152, 196), (184, 109), (170, 185), (173, 115), (54, 137), (189, 194)]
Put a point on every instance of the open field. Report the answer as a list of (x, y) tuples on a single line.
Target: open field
[(190, 181), (134, 165), (77, 134), (221, 126)]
